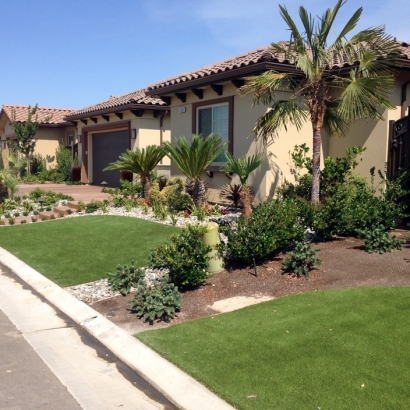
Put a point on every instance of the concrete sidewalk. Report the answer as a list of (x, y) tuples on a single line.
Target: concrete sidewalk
[(175, 385)]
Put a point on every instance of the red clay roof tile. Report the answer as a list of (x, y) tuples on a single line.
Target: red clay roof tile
[(44, 115)]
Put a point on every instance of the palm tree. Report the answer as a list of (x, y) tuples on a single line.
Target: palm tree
[(193, 160), (141, 161), (362, 88), (242, 167)]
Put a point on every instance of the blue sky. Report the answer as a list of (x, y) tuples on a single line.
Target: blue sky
[(74, 53)]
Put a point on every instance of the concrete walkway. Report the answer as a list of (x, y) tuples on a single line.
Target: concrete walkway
[(94, 383)]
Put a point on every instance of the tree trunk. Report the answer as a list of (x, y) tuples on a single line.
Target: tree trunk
[(317, 144), (246, 199), (197, 191), (146, 185)]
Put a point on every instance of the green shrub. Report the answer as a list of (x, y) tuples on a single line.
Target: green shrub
[(44, 218), (64, 162), (125, 277), (378, 240), (185, 257), (179, 201), (129, 204), (2, 222), (302, 259), (33, 219), (61, 214), (35, 212), (159, 301), (23, 221), (11, 221), (16, 214), (48, 208), (93, 206), (80, 206), (272, 226), (25, 213), (10, 204), (69, 211)]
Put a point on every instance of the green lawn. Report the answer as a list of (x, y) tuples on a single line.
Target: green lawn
[(79, 250), (337, 349)]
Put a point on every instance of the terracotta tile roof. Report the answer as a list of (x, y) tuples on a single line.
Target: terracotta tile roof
[(52, 115), (135, 97), (264, 54)]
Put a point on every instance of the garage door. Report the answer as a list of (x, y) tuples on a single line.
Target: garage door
[(107, 146)]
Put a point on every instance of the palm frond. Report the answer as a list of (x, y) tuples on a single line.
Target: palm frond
[(264, 86), (308, 24), (141, 161), (363, 96), (279, 115), (327, 20), (295, 35), (333, 123), (192, 159), (349, 26), (243, 166)]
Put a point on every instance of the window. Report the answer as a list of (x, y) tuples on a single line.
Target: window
[(215, 117)]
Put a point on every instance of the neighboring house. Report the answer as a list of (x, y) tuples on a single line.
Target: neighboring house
[(206, 100), (53, 129), (107, 129)]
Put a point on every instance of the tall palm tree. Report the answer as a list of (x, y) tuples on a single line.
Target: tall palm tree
[(243, 167), (193, 160), (141, 161), (361, 89)]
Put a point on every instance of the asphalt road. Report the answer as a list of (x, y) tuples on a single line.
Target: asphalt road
[(47, 362), (26, 383)]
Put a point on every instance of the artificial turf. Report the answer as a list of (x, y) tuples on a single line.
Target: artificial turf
[(78, 250), (334, 349)]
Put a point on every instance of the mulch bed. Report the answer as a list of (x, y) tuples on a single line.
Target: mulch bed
[(345, 265)]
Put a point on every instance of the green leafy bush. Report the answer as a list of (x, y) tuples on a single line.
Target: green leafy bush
[(10, 204), (177, 200), (23, 221), (34, 219), (378, 240), (11, 221), (93, 206), (302, 259), (272, 226), (64, 162), (125, 277), (159, 301), (185, 257)]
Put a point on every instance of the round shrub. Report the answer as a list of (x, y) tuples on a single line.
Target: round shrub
[(186, 257)]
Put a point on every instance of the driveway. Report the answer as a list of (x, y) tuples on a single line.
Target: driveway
[(85, 193)]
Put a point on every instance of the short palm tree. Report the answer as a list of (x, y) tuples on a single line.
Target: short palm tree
[(361, 89), (141, 161), (243, 167), (193, 159)]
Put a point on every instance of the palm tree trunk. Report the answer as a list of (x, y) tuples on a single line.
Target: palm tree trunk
[(198, 192), (317, 144), (246, 199), (146, 185)]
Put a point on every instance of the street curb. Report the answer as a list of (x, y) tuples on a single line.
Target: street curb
[(178, 387)]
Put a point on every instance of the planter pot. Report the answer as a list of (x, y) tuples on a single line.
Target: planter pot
[(76, 174)]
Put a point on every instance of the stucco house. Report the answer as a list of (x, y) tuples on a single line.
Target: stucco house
[(53, 129), (206, 100), (106, 129)]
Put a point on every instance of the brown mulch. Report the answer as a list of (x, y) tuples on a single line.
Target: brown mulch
[(345, 264)]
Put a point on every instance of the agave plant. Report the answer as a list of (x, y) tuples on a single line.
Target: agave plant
[(141, 161), (193, 160), (243, 167)]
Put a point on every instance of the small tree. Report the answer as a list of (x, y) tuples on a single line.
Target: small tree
[(243, 167), (193, 159), (25, 132), (142, 161)]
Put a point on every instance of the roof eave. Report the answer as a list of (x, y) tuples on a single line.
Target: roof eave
[(118, 109), (252, 69)]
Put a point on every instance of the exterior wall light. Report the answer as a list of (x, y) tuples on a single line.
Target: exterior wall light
[(133, 134), (79, 138)]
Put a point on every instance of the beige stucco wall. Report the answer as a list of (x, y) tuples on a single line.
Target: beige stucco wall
[(47, 140), (147, 131), (273, 172), (374, 135)]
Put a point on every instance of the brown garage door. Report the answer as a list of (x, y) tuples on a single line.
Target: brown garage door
[(107, 146)]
